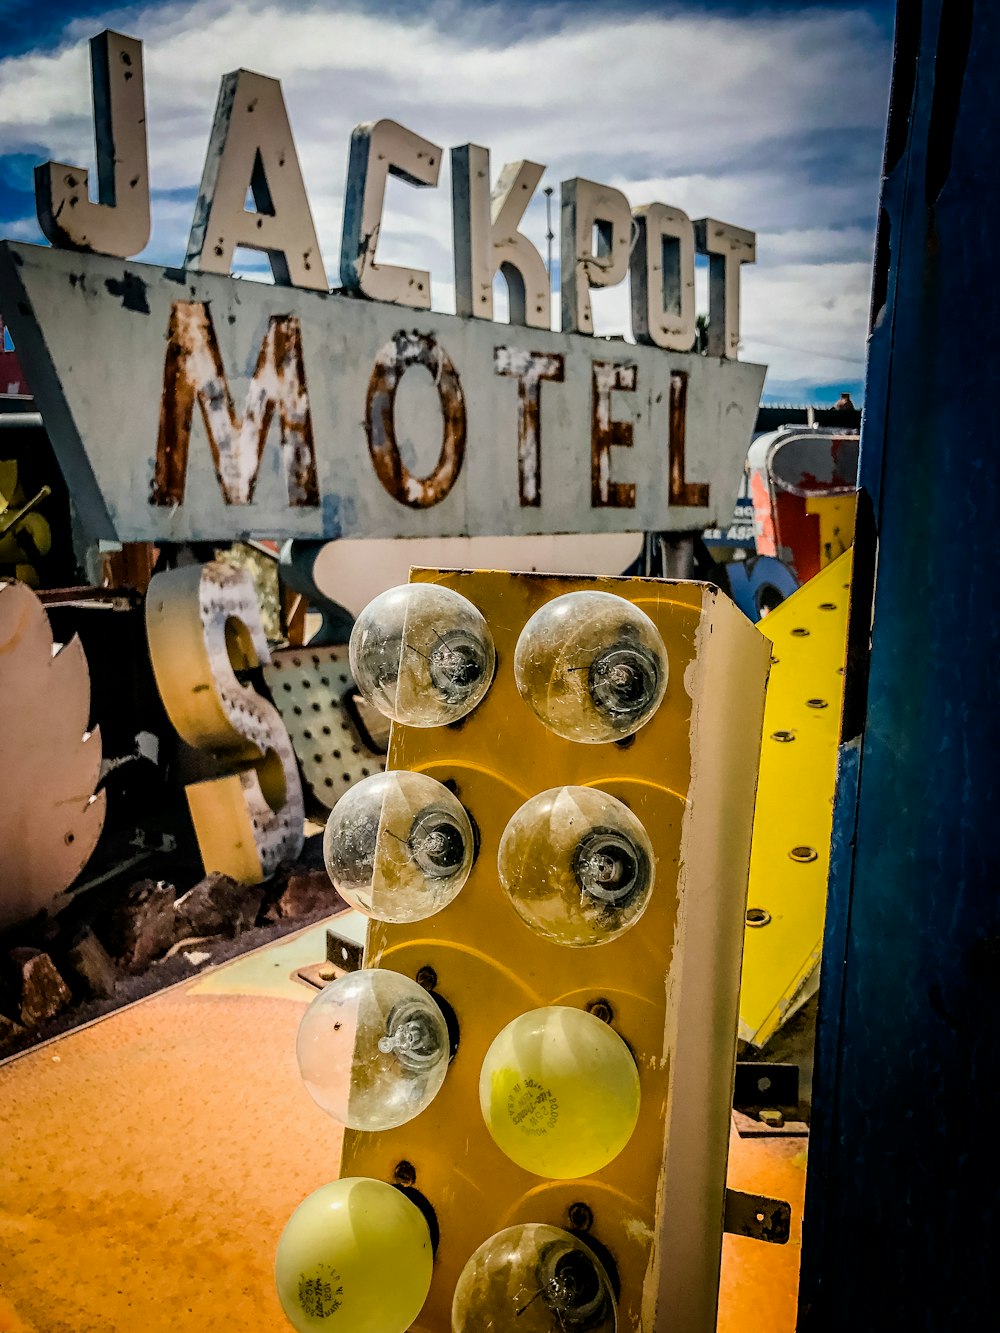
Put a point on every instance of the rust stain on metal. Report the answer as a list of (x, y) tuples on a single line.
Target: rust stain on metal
[(693, 494), (403, 350), (529, 369), (606, 433), (193, 373)]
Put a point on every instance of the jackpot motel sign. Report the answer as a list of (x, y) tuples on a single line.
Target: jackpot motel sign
[(185, 404)]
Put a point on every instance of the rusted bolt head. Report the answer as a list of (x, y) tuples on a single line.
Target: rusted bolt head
[(601, 1009), (405, 1173), (580, 1217), (427, 978)]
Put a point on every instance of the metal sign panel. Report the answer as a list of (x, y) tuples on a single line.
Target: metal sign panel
[(228, 409)]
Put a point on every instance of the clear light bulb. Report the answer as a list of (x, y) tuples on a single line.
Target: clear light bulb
[(591, 666), (373, 1049), (355, 1257), (576, 865), (559, 1092), (422, 655), (536, 1279), (398, 846)]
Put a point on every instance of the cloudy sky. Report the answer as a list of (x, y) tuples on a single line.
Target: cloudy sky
[(769, 116)]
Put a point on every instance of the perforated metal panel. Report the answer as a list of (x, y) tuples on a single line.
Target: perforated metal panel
[(314, 693)]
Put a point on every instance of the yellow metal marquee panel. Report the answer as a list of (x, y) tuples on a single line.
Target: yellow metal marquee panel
[(790, 856)]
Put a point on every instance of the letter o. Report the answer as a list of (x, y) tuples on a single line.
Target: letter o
[(393, 360)]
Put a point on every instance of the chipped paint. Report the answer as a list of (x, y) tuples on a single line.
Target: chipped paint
[(404, 350), (193, 372), (203, 624), (529, 369), (108, 442), (607, 433), (693, 494)]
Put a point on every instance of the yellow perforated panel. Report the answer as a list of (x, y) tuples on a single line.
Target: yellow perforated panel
[(798, 770)]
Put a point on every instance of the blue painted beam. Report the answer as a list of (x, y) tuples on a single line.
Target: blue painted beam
[(902, 1217)]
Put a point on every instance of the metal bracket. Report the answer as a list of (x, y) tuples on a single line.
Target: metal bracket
[(758, 1217)]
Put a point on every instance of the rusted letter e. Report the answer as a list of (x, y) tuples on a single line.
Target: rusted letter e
[(193, 372)]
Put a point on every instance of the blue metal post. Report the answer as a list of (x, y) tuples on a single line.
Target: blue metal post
[(901, 1218)]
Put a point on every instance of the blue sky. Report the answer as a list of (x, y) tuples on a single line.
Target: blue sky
[(767, 116)]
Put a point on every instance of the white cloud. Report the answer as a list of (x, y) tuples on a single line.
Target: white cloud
[(724, 116)]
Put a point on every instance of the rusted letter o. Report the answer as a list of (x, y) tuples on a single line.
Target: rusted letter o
[(394, 359)]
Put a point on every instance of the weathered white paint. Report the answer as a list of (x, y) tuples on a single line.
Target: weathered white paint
[(251, 148), (105, 424), (379, 150), (588, 207), (662, 278), (487, 240), (728, 248), (119, 222), (203, 623)]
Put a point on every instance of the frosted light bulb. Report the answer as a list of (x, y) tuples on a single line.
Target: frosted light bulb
[(535, 1279), (591, 666), (373, 1049), (398, 846), (422, 655), (339, 1248), (559, 1092), (576, 865)]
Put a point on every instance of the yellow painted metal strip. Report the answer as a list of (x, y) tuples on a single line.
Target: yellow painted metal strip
[(790, 857)]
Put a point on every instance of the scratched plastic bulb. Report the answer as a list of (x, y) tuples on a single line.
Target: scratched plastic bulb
[(559, 1092), (591, 666), (422, 655), (533, 1278), (355, 1257), (373, 1049), (576, 865), (398, 846)]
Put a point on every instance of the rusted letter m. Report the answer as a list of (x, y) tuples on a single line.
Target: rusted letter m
[(193, 372)]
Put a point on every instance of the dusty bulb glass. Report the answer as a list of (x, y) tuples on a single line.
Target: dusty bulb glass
[(373, 1049), (398, 846), (559, 1092), (591, 666), (576, 865), (337, 1250), (534, 1278), (422, 655)]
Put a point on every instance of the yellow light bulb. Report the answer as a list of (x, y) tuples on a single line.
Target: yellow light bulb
[(559, 1092), (355, 1257), (536, 1279)]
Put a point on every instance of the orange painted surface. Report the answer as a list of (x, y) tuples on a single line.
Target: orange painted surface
[(149, 1163), (760, 1282)]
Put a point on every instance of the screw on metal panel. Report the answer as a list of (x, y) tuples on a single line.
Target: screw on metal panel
[(601, 1009), (804, 854), (757, 916), (828, 606), (405, 1173), (783, 736), (580, 1217), (817, 703), (800, 632), (427, 978)]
